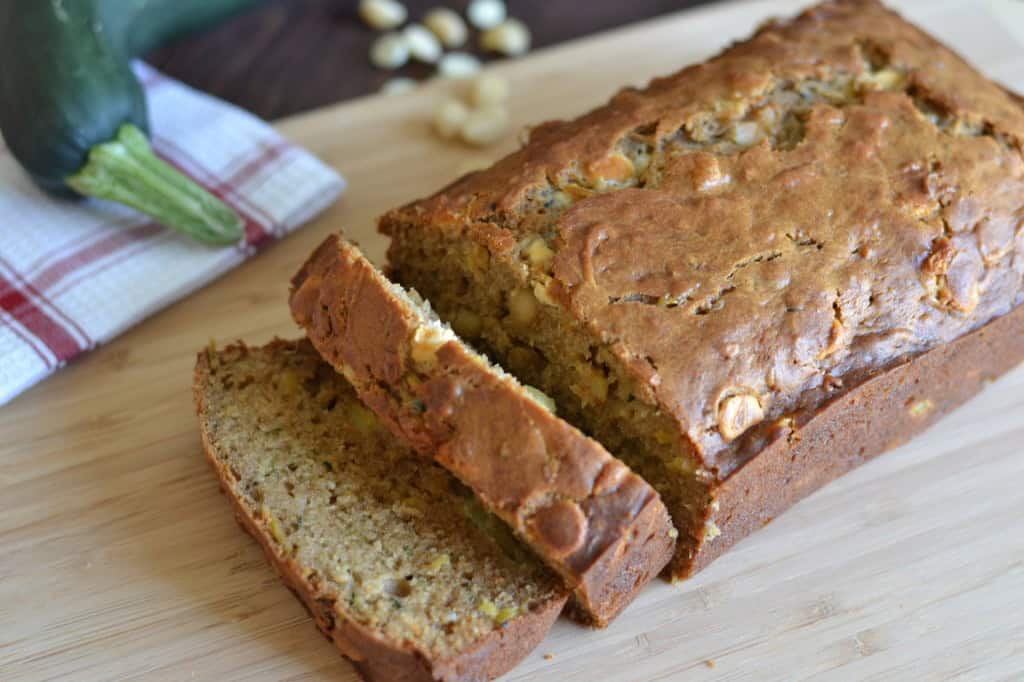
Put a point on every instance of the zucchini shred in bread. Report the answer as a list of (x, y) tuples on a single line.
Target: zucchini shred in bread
[(583, 512), (754, 274), (397, 563)]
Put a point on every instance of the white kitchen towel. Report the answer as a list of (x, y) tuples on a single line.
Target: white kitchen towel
[(76, 274)]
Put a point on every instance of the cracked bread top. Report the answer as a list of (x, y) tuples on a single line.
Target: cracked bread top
[(384, 546), (836, 193)]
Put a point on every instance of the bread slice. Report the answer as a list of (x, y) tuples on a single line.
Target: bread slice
[(393, 557), (601, 526)]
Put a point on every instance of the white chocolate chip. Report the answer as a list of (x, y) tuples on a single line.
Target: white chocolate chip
[(488, 89), (485, 126), (539, 253), (382, 14), (423, 45), (541, 398), (425, 343), (458, 65), (591, 385), (389, 51), (485, 14), (398, 86), (450, 117), (522, 307), (737, 413), (745, 133), (510, 38), (467, 324), (448, 26)]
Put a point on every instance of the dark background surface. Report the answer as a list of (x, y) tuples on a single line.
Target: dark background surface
[(295, 55)]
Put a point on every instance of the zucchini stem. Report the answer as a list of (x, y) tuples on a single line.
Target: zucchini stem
[(125, 170)]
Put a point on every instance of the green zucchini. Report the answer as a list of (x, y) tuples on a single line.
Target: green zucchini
[(74, 115)]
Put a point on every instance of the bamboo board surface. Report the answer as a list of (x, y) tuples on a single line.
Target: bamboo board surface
[(122, 561)]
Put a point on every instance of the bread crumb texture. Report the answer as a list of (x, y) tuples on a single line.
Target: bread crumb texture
[(391, 538)]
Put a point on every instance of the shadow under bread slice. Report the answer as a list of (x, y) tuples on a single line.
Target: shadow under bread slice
[(392, 555), (601, 526)]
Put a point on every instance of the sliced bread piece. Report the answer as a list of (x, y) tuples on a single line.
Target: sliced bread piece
[(601, 526), (391, 555)]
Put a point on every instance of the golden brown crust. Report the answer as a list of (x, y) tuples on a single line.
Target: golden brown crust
[(881, 413), (374, 656), (752, 237), (891, 225), (584, 512)]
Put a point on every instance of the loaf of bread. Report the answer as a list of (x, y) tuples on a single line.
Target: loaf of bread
[(752, 275), (584, 513), (397, 563)]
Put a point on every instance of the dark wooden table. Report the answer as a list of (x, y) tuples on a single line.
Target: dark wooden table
[(295, 55)]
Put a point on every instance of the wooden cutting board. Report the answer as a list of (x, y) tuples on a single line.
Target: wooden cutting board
[(121, 560)]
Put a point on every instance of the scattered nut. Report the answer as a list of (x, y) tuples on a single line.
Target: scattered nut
[(559, 526), (390, 51), (425, 342), (478, 257), (485, 126), (448, 26), (412, 506), (522, 360), (711, 531), (471, 164), (361, 418), (489, 89), (450, 117), (538, 253), (835, 338), (921, 408), (487, 607), (612, 169), (706, 173), (506, 614), (272, 524), (745, 133), (485, 14), (510, 38), (681, 465), (288, 382), (884, 79), (592, 386), (737, 413), (767, 118), (422, 44), (458, 65), (439, 562), (398, 86), (522, 307), (542, 292), (468, 324), (540, 397), (382, 14)]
